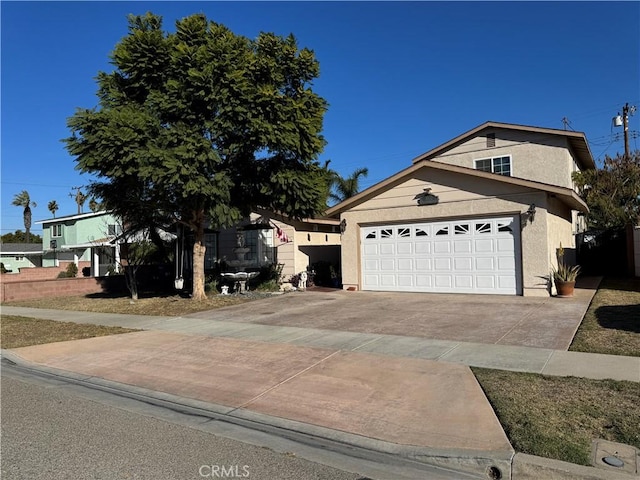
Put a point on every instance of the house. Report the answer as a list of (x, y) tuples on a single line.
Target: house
[(269, 238), (20, 255), (87, 238), (482, 213)]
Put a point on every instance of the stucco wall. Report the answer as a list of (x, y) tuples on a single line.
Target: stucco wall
[(460, 197), (534, 156), (307, 244), (560, 231), (314, 246)]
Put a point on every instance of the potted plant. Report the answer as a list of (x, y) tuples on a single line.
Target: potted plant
[(564, 276)]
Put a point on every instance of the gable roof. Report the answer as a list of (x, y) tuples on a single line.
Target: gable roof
[(577, 141), (568, 196), (77, 216)]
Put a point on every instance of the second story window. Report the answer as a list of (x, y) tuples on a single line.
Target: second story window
[(499, 165), (113, 230), (56, 230)]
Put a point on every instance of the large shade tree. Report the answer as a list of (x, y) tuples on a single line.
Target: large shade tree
[(612, 192), (201, 125), (23, 200)]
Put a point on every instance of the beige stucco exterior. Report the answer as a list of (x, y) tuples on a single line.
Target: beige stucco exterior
[(534, 156), (459, 197), (542, 164), (309, 241)]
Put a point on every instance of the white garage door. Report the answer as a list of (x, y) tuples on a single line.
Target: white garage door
[(463, 256)]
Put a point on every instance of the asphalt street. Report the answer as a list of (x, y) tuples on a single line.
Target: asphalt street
[(52, 429), (48, 433)]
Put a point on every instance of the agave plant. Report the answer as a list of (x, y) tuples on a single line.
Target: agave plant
[(565, 273)]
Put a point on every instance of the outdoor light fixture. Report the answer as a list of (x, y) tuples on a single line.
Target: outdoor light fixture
[(426, 197), (343, 226), (531, 213)]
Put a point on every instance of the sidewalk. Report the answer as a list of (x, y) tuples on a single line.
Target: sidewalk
[(501, 357), (403, 397)]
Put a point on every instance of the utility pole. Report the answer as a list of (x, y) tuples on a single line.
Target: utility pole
[(624, 121)]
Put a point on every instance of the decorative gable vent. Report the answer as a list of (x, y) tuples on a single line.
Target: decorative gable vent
[(491, 140)]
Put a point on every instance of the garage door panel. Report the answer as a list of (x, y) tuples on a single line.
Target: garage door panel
[(506, 281), (387, 264), (442, 264), (462, 246), (425, 281), (505, 245), (464, 281), (442, 247), (424, 264), (405, 248), (487, 282), (484, 245), (423, 247), (387, 249), (405, 264), (371, 280), (387, 280), (506, 263), (463, 264), (370, 249), (371, 264), (485, 264), (444, 281), (471, 256)]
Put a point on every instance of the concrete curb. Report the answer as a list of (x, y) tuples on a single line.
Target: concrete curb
[(465, 463)]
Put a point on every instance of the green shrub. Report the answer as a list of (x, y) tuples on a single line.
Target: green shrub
[(2, 269), (211, 284), (63, 275), (72, 270), (269, 286)]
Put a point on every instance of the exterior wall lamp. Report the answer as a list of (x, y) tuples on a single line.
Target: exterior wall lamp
[(531, 213)]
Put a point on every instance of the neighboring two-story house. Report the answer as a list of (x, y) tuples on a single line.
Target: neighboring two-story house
[(482, 213), (85, 239)]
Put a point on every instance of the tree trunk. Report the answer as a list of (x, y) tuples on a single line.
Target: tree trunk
[(198, 265), (27, 224)]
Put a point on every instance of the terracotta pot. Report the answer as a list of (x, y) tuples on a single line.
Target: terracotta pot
[(565, 289)]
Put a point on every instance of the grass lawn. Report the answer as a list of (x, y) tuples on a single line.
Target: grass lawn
[(22, 331), (612, 323), (170, 306), (558, 417)]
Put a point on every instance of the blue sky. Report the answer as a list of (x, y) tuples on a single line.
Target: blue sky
[(400, 77)]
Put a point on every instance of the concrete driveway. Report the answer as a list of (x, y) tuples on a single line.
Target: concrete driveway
[(492, 319)]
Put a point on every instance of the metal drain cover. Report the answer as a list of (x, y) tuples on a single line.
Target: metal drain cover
[(613, 461)]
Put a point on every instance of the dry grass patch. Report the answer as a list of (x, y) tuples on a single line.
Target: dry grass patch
[(171, 306), (612, 323), (558, 417), (22, 331)]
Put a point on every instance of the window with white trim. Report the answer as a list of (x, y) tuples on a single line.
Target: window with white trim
[(260, 244), (56, 230), (499, 165)]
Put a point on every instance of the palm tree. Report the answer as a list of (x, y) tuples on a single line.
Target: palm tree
[(53, 207), (79, 197), (23, 200), (344, 188)]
